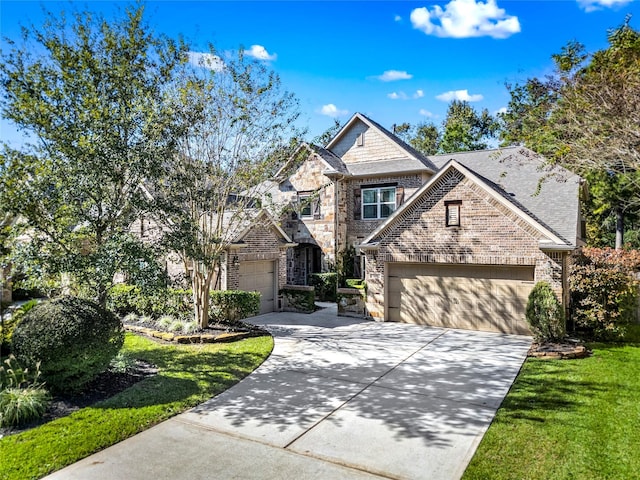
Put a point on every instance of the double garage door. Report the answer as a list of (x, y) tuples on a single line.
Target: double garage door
[(475, 297), (260, 277)]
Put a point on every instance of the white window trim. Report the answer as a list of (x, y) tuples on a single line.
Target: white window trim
[(378, 203)]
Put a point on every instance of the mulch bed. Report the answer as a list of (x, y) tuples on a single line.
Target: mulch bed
[(104, 386), (215, 332)]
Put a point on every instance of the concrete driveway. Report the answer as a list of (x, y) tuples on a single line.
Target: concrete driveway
[(338, 398)]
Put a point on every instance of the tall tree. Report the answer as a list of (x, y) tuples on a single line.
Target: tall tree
[(587, 117), (426, 138), (89, 94), (465, 129), (239, 129)]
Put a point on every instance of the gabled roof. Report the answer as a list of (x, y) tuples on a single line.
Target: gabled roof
[(332, 161), (411, 159), (247, 219), (549, 194), (552, 238)]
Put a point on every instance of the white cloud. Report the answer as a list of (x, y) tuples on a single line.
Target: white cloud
[(466, 18), (462, 95), (426, 113), (260, 53), (403, 96), (397, 18), (393, 75), (501, 110), (593, 5), (330, 110), (206, 60)]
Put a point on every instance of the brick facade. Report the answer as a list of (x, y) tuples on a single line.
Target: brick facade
[(260, 243), (489, 234), (358, 230)]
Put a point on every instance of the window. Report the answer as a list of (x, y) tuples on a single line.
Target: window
[(306, 209), (378, 202), (453, 213), (309, 205)]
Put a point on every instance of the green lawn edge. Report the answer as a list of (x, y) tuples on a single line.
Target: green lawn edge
[(187, 376), (567, 419)]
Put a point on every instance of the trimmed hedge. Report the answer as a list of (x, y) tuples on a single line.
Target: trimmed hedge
[(233, 305), (298, 298), (73, 338), (124, 299), (229, 305), (325, 285)]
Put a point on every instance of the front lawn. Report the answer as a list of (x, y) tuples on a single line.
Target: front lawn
[(187, 376), (567, 419)]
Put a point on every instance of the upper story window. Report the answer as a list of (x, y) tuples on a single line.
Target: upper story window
[(379, 202), (306, 209), (309, 206)]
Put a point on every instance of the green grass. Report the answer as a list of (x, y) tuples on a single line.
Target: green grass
[(568, 419), (188, 375)]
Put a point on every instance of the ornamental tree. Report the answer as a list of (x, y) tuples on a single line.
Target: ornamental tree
[(89, 94)]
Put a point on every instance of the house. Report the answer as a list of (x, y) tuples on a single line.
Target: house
[(453, 240), (254, 259)]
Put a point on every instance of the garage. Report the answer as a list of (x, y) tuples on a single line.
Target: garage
[(474, 297), (259, 276)]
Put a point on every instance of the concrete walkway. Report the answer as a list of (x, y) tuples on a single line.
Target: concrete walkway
[(338, 398)]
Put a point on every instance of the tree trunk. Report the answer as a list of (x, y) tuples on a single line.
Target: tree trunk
[(619, 228), (201, 284)]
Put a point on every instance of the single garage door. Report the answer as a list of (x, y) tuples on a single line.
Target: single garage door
[(259, 277), (475, 297)]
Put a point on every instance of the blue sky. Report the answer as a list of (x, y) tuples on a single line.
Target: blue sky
[(395, 61)]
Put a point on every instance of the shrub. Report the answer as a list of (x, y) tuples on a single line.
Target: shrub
[(8, 325), (298, 299), (325, 285), (123, 362), (233, 305), (165, 321), (124, 299), (356, 283), (22, 405), (22, 397), (545, 314), (176, 326), (74, 339), (189, 327), (604, 291)]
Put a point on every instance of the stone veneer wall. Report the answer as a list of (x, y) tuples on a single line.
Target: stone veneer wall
[(489, 234), (317, 231), (262, 243)]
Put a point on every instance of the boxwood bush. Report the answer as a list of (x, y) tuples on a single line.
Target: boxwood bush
[(124, 299), (545, 314), (231, 305), (234, 305), (73, 339), (325, 285)]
